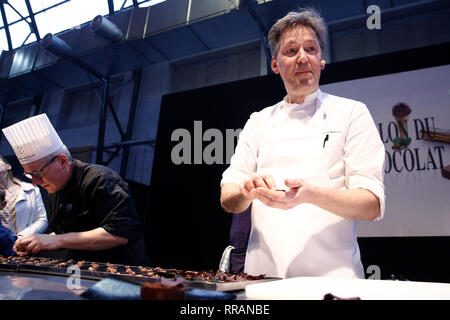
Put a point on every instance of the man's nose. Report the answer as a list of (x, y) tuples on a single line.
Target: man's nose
[(35, 180), (302, 57)]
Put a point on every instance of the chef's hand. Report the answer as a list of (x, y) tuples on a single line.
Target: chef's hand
[(297, 194), (257, 181), (35, 243)]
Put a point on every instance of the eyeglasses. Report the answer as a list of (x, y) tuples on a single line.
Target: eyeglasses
[(40, 172)]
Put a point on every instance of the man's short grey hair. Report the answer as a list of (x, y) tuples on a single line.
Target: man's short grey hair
[(307, 17), (61, 150)]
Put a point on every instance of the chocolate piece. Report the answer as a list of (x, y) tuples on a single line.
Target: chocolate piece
[(111, 268), (330, 296), (94, 266), (158, 291), (129, 271), (58, 265)]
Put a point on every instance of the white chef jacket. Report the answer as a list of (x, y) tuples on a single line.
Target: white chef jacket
[(353, 157), (31, 216)]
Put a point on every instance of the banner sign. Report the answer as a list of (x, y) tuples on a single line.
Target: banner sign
[(412, 113)]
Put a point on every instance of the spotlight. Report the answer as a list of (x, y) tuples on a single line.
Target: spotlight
[(106, 29), (56, 46)]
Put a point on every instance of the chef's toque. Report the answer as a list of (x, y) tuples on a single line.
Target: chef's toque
[(33, 138)]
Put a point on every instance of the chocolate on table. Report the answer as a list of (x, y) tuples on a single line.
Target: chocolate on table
[(98, 269)]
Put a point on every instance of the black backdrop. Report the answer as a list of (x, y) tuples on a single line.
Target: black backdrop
[(186, 227)]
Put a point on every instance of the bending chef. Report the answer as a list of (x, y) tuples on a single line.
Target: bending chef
[(91, 209)]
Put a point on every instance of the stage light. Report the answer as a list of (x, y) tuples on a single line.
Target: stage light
[(106, 29), (56, 46)]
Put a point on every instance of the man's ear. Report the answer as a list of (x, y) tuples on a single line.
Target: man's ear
[(274, 66), (64, 160)]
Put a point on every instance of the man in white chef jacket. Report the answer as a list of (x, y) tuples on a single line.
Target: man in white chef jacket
[(310, 166)]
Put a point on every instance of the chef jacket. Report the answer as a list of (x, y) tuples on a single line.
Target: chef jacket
[(30, 213), (325, 129), (95, 196)]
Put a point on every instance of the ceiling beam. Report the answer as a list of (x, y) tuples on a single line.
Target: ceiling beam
[(111, 7), (6, 25), (33, 25)]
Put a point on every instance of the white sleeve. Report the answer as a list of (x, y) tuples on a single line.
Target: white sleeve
[(364, 155), (39, 220), (244, 160)]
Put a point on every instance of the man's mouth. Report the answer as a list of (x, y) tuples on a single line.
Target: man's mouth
[(303, 73)]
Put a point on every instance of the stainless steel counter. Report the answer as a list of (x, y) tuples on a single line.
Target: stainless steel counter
[(23, 286)]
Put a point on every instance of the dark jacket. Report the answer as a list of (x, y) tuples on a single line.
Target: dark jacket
[(95, 196)]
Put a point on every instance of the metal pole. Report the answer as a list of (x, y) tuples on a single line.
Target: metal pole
[(6, 25), (35, 13), (113, 155), (114, 145), (111, 7), (86, 67), (137, 76), (33, 21), (102, 122), (116, 119)]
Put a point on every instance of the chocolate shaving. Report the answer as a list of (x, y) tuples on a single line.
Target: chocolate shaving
[(330, 296)]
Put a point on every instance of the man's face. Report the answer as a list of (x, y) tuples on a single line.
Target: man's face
[(55, 173), (298, 62)]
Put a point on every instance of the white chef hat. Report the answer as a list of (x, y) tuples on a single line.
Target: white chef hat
[(33, 138)]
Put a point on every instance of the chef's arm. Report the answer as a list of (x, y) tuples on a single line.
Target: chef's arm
[(355, 204), (96, 239), (232, 199)]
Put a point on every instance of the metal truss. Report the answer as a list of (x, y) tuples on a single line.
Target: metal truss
[(29, 17)]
